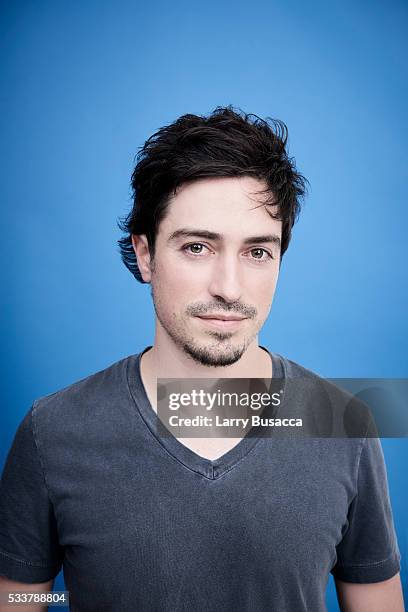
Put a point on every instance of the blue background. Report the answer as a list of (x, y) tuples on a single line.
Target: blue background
[(84, 84)]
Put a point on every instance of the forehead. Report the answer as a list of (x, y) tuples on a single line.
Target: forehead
[(227, 205)]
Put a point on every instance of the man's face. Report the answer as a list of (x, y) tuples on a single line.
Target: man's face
[(216, 257)]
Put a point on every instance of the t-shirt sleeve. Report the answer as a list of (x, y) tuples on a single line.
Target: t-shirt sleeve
[(368, 551), (29, 549)]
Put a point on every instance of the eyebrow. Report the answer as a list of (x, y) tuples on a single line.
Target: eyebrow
[(197, 233)]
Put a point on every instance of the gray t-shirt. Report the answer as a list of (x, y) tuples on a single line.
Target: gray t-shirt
[(141, 522)]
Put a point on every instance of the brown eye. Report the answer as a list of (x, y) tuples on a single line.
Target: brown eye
[(194, 248)]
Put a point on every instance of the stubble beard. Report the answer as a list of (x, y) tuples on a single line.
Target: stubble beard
[(220, 352)]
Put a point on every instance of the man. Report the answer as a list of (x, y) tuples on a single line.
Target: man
[(146, 522)]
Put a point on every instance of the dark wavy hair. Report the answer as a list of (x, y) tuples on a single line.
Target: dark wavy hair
[(228, 142)]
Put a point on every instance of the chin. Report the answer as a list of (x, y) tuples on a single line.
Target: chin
[(214, 356)]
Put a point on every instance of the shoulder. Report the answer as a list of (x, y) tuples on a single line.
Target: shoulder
[(87, 397), (328, 404)]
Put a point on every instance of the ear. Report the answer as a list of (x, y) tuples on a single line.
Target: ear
[(141, 249)]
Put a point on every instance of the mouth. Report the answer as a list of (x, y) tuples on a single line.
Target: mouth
[(222, 321)]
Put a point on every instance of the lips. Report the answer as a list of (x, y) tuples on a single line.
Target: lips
[(222, 317), (222, 321)]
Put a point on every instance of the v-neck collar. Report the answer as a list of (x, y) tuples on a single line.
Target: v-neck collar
[(211, 469)]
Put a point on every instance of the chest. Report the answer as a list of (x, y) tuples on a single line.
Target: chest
[(279, 498)]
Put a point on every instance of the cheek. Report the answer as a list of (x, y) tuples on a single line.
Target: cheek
[(176, 285), (186, 287), (262, 288), (191, 276)]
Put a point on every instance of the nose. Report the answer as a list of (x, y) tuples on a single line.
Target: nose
[(226, 280)]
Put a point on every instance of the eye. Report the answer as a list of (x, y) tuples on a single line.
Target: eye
[(258, 253), (194, 248)]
